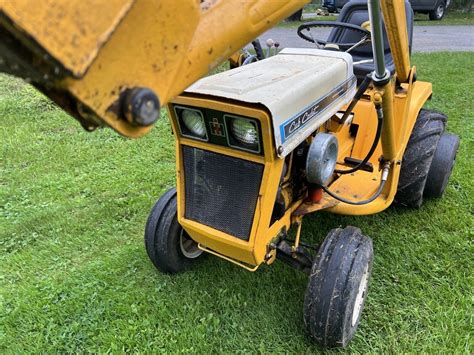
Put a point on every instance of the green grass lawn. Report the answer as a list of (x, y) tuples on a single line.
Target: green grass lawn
[(451, 18), (75, 275)]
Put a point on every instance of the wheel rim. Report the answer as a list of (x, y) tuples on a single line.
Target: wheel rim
[(440, 11), (361, 293), (188, 247)]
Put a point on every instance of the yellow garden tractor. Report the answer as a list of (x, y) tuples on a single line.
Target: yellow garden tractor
[(338, 128)]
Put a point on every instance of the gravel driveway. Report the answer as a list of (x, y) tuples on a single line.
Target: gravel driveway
[(425, 38)]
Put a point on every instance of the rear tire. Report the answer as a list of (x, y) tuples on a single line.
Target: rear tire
[(168, 246), (296, 16), (442, 165), (337, 287), (418, 156), (439, 11)]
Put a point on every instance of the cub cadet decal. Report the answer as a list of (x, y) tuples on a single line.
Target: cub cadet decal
[(289, 127)]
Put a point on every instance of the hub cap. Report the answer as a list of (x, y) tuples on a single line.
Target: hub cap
[(361, 293), (188, 247), (440, 11)]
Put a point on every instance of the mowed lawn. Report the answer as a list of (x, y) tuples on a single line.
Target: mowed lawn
[(75, 275)]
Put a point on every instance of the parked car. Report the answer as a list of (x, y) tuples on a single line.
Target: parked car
[(296, 16), (334, 5), (436, 9)]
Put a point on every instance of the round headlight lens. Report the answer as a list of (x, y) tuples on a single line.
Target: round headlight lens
[(244, 131), (194, 122)]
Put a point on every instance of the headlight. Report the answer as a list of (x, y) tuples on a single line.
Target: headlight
[(194, 122), (244, 131)]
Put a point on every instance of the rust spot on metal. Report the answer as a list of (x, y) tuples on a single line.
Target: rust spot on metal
[(310, 207)]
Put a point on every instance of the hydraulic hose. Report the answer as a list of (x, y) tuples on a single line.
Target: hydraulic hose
[(371, 151), (250, 59), (383, 180), (360, 91), (258, 49)]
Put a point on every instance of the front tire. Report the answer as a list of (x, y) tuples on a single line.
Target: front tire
[(168, 246), (337, 287), (439, 11)]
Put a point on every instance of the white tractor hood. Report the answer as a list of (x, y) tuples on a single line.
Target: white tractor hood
[(301, 87)]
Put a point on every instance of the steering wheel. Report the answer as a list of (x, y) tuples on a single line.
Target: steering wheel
[(348, 26)]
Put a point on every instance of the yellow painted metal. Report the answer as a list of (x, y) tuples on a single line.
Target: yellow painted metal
[(162, 45), (254, 251), (401, 107), (396, 25), (71, 32), (236, 59), (246, 267), (311, 207), (343, 135), (388, 138), (407, 103)]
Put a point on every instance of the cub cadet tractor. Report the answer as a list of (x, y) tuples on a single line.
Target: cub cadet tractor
[(338, 128), (262, 145)]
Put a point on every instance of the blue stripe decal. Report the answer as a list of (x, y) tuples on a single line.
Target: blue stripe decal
[(298, 121)]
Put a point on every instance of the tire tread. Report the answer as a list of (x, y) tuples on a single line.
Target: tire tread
[(162, 233), (418, 156), (327, 295)]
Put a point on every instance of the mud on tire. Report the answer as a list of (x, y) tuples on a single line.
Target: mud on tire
[(337, 287), (418, 156)]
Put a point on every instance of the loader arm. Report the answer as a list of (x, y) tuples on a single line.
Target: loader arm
[(114, 63)]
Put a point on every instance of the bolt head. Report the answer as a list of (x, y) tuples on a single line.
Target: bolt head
[(141, 107)]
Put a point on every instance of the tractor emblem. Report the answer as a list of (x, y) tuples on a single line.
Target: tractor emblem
[(217, 129)]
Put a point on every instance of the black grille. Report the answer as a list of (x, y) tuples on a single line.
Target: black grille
[(221, 191)]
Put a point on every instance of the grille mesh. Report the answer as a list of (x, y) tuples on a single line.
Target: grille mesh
[(221, 191)]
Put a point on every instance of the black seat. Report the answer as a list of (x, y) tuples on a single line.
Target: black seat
[(356, 13)]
